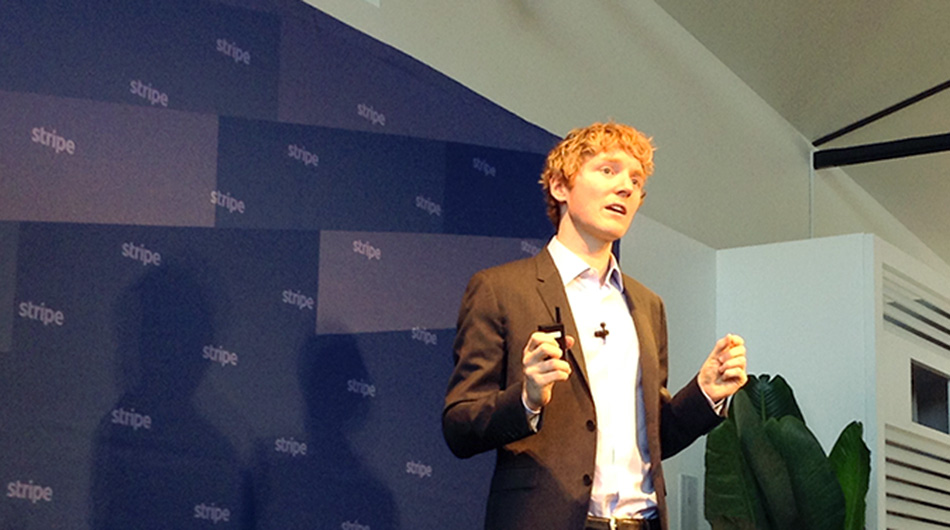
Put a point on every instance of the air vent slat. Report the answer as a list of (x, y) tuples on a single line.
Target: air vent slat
[(916, 477), (896, 522), (910, 308), (918, 494), (917, 480), (918, 512)]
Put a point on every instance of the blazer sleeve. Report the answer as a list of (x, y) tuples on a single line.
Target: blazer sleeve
[(684, 418), (687, 415), (483, 408)]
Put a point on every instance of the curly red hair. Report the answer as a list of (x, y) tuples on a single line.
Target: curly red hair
[(567, 157)]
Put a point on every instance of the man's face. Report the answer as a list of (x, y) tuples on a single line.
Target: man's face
[(606, 194)]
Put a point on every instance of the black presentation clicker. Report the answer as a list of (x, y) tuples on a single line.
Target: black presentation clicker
[(558, 328)]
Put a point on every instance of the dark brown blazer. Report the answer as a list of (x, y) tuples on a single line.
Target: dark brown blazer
[(543, 480)]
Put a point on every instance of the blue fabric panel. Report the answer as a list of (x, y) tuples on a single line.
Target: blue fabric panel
[(170, 324), (339, 77), (233, 240), (73, 160), (179, 54), (494, 192), (398, 281), (304, 177)]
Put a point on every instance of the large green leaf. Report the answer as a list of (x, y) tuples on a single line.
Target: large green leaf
[(773, 398), (851, 460), (786, 463), (731, 499), (766, 463), (817, 493)]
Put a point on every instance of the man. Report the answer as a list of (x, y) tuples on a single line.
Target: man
[(580, 431)]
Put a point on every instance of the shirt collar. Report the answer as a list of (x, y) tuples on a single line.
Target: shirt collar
[(570, 265)]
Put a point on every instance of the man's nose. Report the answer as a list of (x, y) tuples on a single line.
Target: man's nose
[(626, 185)]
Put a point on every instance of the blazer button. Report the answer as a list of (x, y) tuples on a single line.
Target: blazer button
[(587, 480), (591, 425)]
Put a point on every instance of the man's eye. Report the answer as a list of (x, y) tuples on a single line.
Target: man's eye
[(606, 170)]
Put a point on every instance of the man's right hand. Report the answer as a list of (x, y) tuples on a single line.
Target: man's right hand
[(544, 365)]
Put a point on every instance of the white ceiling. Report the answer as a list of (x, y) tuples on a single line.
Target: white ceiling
[(824, 65)]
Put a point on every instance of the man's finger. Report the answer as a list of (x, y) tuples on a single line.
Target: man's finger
[(737, 352), (553, 370)]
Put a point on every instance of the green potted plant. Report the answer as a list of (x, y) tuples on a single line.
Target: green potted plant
[(766, 470)]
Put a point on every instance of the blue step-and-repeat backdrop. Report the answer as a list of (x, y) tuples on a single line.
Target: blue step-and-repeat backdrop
[(233, 241)]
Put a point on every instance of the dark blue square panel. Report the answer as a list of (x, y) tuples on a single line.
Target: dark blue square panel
[(275, 175), (494, 192), (181, 54)]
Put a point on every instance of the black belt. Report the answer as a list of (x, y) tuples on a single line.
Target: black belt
[(616, 523)]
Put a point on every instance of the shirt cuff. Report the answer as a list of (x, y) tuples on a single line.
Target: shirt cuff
[(717, 406), (533, 416)]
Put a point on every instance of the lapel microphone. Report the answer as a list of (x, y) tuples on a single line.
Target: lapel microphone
[(602, 334)]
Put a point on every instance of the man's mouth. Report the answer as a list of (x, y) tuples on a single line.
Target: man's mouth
[(619, 208)]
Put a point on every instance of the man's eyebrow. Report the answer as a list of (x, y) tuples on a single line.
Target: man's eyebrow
[(611, 158), (617, 160)]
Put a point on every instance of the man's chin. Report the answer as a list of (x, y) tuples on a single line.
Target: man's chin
[(610, 237), (614, 233)]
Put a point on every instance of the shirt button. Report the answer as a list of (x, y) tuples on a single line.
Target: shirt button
[(591, 425), (587, 480)]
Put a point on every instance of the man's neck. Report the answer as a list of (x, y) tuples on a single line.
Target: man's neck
[(595, 254)]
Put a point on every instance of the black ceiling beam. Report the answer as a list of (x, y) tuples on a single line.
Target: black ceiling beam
[(859, 154), (878, 115)]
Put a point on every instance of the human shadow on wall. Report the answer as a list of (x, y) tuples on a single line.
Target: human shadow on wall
[(157, 461), (328, 487)]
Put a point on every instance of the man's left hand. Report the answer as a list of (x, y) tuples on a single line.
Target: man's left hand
[(723, 373)]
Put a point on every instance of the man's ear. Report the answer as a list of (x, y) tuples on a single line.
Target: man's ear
[(559, 189)]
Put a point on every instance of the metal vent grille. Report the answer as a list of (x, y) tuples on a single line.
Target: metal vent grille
[(917, 481), (913, 309)]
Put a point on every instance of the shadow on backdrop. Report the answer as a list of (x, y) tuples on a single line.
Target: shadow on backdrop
[(328, 487), (158, 462)]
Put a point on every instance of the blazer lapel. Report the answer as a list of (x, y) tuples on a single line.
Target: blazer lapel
[(649, 362), (551, 291)]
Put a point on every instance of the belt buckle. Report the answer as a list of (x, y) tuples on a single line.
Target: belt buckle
[(612, 521)]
